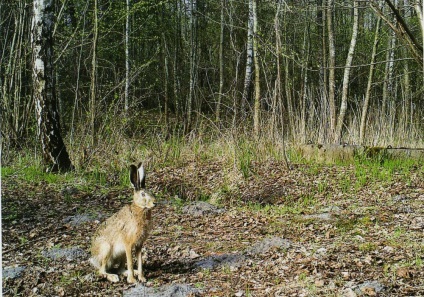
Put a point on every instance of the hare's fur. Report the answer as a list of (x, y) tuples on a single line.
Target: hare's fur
[(114, 240)]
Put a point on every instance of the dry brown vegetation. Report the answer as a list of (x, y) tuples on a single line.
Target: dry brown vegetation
[(341, 229)]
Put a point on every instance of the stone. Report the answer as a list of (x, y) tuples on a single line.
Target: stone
[(12, 272), (211, 262), (174, 290), (201, 208), (265, 245), (69, 253)]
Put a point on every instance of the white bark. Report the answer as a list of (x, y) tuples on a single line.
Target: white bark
[(257, 106), (249, 59), (127, 56), (348, 65)]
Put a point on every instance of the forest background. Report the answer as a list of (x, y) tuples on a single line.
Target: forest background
[(159, 79)]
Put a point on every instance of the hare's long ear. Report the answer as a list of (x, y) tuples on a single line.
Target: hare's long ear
[(134, 176), (141, 176)]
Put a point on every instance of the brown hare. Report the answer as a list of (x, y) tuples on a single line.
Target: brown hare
[(114, 240)]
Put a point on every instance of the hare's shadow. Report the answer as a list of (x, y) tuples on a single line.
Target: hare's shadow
[(184, 265)]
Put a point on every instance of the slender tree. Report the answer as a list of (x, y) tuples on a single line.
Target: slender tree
[(249, 60), (365, 107), (93, 75), (221, 63), (257, 105), (127, 56), (345, 88), (332, 67), (54, 151)]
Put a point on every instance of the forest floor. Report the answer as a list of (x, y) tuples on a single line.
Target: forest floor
[(314, 230)]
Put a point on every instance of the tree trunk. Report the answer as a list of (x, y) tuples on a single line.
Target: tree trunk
[(176, 75), (257, 105), (92, 109), (369, 85), (166, 79), (388, 76), (345, 88), (127, 56), (249, 60), (221, 64), (54, 151), (193, 58), (332, 69)]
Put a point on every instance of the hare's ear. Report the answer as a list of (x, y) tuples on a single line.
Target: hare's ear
[(134, 176), (141, 176)]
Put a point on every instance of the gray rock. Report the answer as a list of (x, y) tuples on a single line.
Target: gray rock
[(80, 219), (378, 287), (12, 272), (265, 245), (174, 290), (201, 208), (231, 260), (325, 216), (332, 209), (400, 198), (69, 253)]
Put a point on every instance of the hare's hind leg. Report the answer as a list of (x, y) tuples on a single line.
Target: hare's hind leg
[(110, 276), (106, 263)]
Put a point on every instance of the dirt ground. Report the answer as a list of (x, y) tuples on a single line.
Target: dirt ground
[(312, 231)]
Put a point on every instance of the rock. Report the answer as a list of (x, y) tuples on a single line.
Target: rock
[(12, 272), (265, 245), (332, 209), (371, 288), (325, 216), (69, 253), (77, 219), (400, 198), (174, 290), (231, 260), (201, 208)]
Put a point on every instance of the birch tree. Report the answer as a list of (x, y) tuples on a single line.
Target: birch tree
[(249, 59), (221, 63), (257, 105), (127, 56), (55, 155), (345, 88)]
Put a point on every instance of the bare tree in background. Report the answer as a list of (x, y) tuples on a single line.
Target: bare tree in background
[(54, 151), (345, 88)]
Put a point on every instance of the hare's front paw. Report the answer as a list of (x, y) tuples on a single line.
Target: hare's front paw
[(131, 279), (141, 278)]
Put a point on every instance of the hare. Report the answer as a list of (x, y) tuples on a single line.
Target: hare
[(113, 242)]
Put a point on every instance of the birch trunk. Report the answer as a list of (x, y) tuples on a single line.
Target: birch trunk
[(55, 155), (249, 60), (221, 64), (257, 105), (127, 56), (345, 88), (193, 58)]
